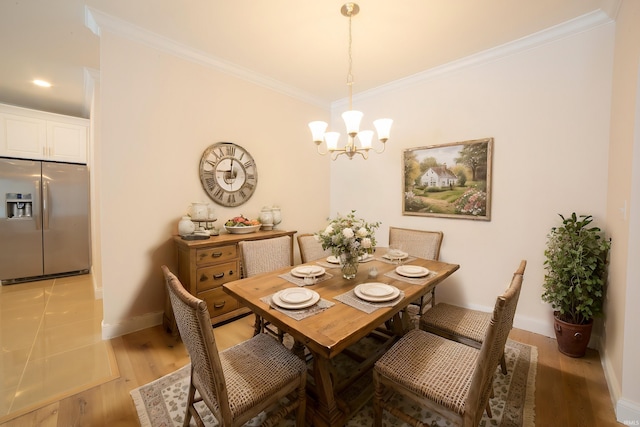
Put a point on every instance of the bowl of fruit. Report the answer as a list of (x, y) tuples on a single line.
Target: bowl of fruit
[(242, 225)]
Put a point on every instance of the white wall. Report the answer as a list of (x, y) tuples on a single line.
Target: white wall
[(159, 113), (548, 109), (622, 336)]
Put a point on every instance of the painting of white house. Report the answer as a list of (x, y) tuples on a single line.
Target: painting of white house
[(451, 180)]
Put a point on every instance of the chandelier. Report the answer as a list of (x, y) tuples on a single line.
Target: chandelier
[(351, 118)]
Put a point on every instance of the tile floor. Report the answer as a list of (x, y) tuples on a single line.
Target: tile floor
[(51, 342)]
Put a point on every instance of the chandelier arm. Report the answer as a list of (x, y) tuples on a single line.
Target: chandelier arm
[(383, 147), (336, 153), (320, 152)]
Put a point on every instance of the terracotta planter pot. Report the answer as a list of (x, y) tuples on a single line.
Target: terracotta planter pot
[(572, 339)]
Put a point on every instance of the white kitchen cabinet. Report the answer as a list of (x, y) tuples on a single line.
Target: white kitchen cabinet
[(32, 134)]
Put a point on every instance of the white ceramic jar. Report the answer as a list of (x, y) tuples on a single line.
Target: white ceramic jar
[(277, 216), (186, 226), (266, 216)]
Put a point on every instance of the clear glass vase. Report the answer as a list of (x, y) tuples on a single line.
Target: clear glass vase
[(349, 264)]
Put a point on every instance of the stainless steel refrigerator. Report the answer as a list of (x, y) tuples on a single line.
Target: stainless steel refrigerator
[(44, 220)]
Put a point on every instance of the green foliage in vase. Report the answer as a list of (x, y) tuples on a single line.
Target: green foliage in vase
[(576, 269)]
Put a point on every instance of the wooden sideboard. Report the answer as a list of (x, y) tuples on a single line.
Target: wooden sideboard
[(205, 265)]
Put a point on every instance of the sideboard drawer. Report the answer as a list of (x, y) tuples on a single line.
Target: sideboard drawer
[(218, 301), (205, 265), (216, 275), (217, 254)]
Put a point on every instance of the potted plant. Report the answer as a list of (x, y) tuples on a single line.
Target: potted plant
[(575, 278)]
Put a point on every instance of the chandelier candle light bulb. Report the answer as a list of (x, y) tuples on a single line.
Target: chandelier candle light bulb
[(352, 118)]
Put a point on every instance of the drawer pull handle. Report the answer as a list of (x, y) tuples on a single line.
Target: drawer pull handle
[(218, 276), (216, 254), (219, 304)]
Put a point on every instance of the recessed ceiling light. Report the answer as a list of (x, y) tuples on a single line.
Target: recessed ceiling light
[(41, 83)]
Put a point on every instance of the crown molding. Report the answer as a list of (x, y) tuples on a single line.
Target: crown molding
[(567, 29), (98, 21)]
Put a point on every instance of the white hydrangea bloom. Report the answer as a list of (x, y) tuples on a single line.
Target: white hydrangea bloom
[(348, 233)]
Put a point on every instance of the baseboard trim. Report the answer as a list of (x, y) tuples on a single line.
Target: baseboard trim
[(128, 326), (628, 412)]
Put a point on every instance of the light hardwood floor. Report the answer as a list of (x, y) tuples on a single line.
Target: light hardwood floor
[(569, 392)]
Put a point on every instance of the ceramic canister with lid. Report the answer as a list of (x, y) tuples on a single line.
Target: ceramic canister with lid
[(186, 226)]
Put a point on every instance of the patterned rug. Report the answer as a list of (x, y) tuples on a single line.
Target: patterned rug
[(161, 403)]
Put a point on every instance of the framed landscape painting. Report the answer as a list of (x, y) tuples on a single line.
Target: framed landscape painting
[(451, 180)]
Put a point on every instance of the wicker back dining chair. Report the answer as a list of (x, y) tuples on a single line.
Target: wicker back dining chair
[(311, 248), (462, 324), (449, 378), (421, 243), (262, 256), (239, 383)]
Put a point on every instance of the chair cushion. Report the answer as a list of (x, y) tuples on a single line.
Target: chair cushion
[(256, 369), (471, 324), (431, 366)]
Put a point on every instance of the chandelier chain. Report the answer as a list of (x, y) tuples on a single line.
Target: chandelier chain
[(350, 74)]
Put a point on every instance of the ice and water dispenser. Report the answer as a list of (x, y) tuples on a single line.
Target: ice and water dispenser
[(19, 205)]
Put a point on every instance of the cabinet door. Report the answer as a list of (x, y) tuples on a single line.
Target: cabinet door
[(22, 137), (67, 142)]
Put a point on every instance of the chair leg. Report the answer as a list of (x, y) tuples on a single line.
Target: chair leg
[(377, 401), (503, 364), (302, 405), (190, 398)]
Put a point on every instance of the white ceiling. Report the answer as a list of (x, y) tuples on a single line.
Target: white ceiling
[(300, 44)]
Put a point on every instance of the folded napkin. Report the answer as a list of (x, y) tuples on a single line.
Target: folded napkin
[(351, 299), (302, 313)]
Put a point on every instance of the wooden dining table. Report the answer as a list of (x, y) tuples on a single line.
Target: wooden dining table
[(331, 331)]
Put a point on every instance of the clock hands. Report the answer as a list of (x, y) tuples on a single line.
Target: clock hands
[(229, 176)]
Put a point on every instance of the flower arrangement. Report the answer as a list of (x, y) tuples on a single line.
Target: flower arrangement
[(348, 234)]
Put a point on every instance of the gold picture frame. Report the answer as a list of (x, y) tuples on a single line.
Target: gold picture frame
[(449, 180)]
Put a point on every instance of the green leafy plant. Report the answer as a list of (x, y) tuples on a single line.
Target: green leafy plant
[(576, 269)]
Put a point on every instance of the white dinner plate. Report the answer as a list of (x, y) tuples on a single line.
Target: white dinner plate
[(333, 260), (412, 271), (376, 289), (366, 292), (295, 295), (308, 271), (295, 306)]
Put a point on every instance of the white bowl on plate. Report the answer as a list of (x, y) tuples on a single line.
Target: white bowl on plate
[(376, 292), (412, 271), (307, 271), (243, 229)]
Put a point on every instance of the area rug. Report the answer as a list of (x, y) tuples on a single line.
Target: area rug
[(162, 402)]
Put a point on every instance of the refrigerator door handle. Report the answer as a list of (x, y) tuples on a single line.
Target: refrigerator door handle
[(36, 213), (45, 205)]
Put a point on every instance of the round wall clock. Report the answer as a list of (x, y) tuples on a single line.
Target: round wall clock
[(228, 173)]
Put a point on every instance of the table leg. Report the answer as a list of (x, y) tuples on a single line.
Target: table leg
[(257, 326), (327, 412)]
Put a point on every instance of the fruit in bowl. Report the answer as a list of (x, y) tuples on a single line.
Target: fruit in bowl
[(241, 221), (242, 225)]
